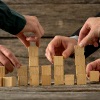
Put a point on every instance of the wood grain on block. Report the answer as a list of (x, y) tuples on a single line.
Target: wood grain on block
[(81, 79), (58, 80), (79, 51), (22, 71), (46, 69), (80, 70), (34, 70), (2, 71), (80, 60), (46, 80), (22, 80), (1, 81), (58, 70), (94, 76), (33, 51), (69, 79), (34, 80), (9, 81), (34, 61), (58, 60)]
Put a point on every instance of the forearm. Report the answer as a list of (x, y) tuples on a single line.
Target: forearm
[(10, 20)]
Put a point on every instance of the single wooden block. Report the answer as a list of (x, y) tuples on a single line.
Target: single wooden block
[(2, 71), (69, 79), (33, 61), (80, 70), (94, 76), (1, 81), (22, 80), (80, 60), (33, 51), (58, 80), (22, 71), (81, 79), (58, 60), (79, 51), (46, 69), (9, 81), (34, 70), (59, 70), (46, 80), (34, 80)]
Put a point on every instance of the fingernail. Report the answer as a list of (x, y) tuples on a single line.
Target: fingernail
[(81, 45)]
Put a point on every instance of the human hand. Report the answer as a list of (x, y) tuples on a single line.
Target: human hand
[(60, 46), (8, 59), (90, 32), (32, 25), (93, 66)]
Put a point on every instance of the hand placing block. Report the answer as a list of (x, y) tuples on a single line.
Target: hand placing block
[(2, 71), (9, 81), (58, 60), (81, 79), (94, 76), (69, 79)]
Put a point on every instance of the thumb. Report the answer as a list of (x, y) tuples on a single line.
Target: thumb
[(66, 53), (22, 38)]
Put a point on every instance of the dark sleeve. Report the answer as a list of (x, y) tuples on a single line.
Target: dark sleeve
[(88, 49), (10, 20)]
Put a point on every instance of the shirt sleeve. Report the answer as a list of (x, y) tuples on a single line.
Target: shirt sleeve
[(10, 21)]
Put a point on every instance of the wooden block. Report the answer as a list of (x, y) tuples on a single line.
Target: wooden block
[(34, 70), (79, 51), (80, 70), (22, 80), (46, 80), (94, 76), (33, 52), (80, 60), (22, 71), (1, 81), (69, 79), (9, 81), (58, 70), (33, 61), (58, 60), (46, 69), (2, 71), (34, 80), (58, 80), (81, 79)]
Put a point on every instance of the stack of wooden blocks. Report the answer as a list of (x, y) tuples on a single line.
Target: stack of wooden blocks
[(80, 65), (6, 81), (34, 65)]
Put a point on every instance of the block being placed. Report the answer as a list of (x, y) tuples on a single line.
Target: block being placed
[(69, 79), (58, 80), (81, 79), (59, 70), (22, 80), (79, 51), (34, 80), (34, 70), (46, 69), (94, 76), (2, 71), (22, 71), (9, 81), (46, 80), (58, 60)]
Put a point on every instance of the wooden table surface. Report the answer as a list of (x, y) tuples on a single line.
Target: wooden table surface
[(76, 92)]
